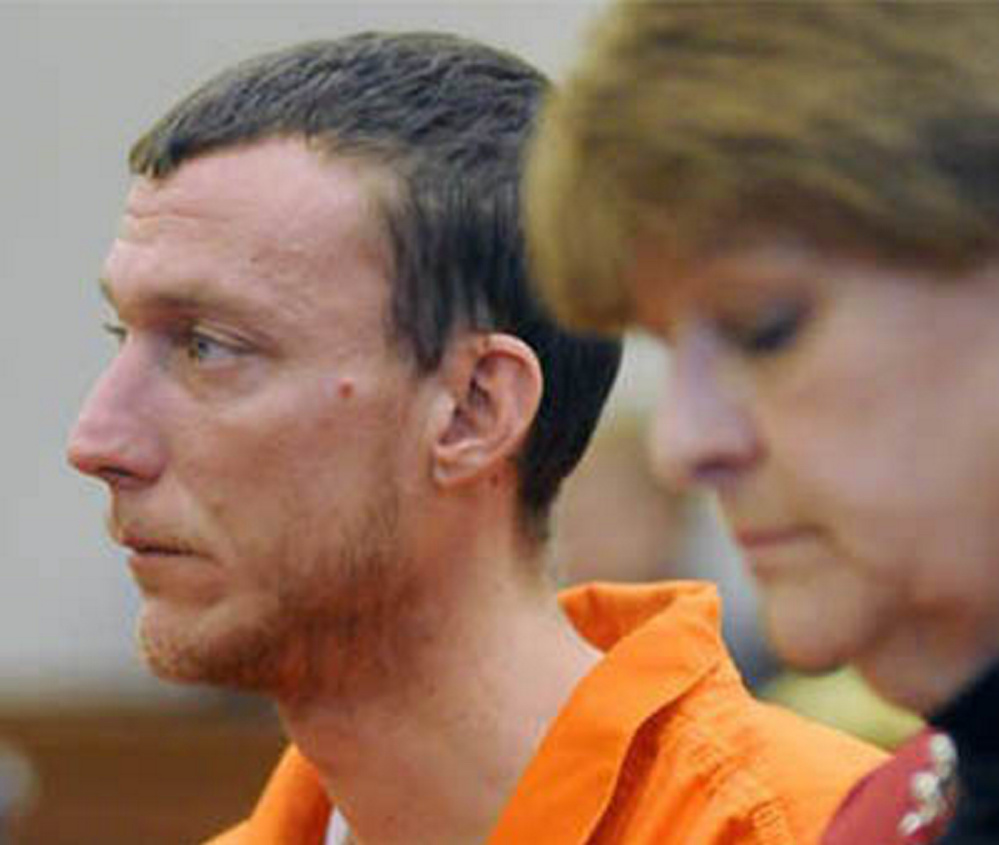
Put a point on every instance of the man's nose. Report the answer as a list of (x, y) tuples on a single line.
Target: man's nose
[(703, 433), (116, 437)]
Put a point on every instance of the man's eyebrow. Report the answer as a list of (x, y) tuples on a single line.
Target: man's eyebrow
[(185, 300), (167, 299)]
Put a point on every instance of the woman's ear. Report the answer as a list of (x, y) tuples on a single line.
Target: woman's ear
[(495, 385)]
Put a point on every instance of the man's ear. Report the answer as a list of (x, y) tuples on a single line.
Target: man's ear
[(495, 385)]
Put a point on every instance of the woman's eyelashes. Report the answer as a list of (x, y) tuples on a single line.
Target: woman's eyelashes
[(767, 331)]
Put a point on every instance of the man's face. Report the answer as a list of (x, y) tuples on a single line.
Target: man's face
[(847, 416), (254, 429)]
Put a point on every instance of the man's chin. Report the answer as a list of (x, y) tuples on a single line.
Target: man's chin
[(170, 661), (179, 654)]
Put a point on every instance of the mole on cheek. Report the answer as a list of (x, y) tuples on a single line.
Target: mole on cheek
[(345, 389)]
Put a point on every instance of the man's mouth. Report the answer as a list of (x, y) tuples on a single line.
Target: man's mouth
[(148, 547), (153, 549), (144, 542)]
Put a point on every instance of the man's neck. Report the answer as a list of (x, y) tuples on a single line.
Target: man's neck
[(434, 755)]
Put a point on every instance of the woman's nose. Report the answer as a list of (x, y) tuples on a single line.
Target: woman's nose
[(703, 433)]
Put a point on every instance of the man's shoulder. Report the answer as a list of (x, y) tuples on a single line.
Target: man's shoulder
[(766, 764), (661, 743), (712, 765)]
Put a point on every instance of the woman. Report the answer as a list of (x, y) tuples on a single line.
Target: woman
[(802, 200)]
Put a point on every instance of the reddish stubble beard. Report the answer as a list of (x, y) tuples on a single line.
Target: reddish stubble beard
[(332, 623)]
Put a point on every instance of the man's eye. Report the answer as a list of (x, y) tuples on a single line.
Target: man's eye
[(205, 349), (773, 330)]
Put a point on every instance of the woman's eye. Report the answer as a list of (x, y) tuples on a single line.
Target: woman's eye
[(772, 330)]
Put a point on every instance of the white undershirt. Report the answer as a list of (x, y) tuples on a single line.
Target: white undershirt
[(337, 833)]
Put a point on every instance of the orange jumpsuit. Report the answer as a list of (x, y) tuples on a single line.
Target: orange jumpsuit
[(660, 744)]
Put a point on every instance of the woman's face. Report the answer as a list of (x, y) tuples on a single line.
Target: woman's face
[(847, 415)]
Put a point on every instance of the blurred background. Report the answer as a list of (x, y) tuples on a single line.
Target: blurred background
[(92, 748)]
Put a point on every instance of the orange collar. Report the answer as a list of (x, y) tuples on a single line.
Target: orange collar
[(294, 809), (662, 639)]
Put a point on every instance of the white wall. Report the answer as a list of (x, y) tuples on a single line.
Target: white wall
[(78, 82)]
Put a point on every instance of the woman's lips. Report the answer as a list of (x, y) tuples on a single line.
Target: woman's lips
[(774, 552), (753, 539)]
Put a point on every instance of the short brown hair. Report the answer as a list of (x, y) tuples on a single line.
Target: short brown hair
[(860, 124)]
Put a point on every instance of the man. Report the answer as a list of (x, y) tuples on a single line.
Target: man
[(801, 200), (332, 437)]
